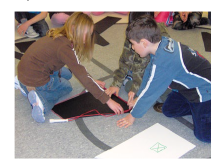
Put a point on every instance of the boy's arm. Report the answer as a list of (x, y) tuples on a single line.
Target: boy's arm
[(139, 66), (159, 79), (145, 77)]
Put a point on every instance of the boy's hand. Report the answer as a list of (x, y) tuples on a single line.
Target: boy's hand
[(112, 90), (116, 107), (131, 103), (126, 121), (130, 97)]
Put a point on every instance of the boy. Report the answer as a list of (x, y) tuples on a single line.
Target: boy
[(175, 65), (128, 77)]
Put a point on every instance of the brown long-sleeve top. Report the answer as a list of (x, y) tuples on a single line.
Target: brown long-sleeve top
[(45, 56)]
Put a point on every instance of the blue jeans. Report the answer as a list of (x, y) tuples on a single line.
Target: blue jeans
[(54, 89), (176, 106)]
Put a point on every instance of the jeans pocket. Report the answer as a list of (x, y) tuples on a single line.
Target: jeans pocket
[(50, 83)]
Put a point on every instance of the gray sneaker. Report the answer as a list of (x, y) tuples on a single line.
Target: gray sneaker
[(37, 107), (31, 32)]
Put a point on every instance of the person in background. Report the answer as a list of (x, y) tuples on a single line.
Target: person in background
[(188, 20), (32, 24)]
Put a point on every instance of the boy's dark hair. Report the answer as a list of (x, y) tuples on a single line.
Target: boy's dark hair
[(143, 27)]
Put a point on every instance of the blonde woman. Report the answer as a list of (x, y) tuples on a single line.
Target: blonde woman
[(41, 72)]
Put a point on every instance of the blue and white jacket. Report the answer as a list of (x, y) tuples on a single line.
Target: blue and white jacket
[(178, 67)]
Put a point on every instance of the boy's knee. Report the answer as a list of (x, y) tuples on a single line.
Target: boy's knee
[(167, 112)]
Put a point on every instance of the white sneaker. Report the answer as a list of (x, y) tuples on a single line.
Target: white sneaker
[(18, 86), (30, 32)]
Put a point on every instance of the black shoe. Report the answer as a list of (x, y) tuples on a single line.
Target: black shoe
[(158, 107)]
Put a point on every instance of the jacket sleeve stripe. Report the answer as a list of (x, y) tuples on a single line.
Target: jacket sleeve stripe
[(148, 84)]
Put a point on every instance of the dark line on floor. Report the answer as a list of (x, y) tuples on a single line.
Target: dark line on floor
[(106, 77), (89, 135), (102, 66), (21, 39)]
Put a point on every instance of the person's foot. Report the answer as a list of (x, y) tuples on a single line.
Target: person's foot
[(30, 32), (37, 107), (18, 86)]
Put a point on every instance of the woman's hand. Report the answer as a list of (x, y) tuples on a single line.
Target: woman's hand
[(116, 107)]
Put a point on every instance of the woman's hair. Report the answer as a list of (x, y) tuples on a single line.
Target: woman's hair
[(143, 27), (74, 29)]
